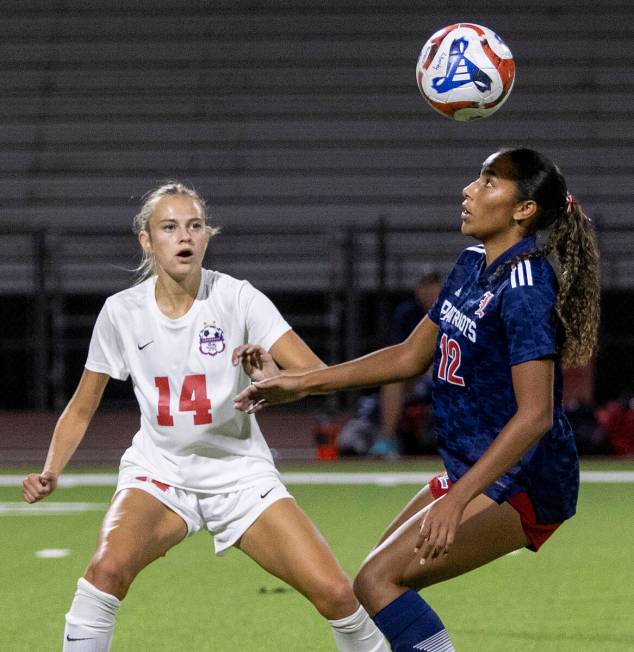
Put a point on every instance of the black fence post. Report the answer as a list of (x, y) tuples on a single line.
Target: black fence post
[(41, 340), (382, 313)]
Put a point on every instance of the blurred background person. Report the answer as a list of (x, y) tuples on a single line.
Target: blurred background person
[(401, 432)]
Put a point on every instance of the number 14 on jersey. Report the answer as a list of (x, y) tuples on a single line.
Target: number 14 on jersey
[(193, 398)]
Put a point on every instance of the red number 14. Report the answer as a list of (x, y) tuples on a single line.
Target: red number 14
[(193, 398)]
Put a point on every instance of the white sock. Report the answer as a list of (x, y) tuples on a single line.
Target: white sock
[(90, 620), (358, 633)]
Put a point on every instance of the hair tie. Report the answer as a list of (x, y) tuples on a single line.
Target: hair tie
[(571, 203)]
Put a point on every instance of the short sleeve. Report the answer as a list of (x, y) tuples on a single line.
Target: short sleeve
[(530, 322), (105, 354), (264, 323)]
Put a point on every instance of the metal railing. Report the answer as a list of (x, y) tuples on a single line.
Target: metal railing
[(342, 267)]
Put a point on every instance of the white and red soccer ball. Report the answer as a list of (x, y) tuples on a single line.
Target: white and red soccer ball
[(465, 71)]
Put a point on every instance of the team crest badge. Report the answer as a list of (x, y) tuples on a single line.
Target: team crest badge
[(484, 302), (211, 339)]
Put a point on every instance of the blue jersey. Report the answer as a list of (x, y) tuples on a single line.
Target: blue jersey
[(487, 323)]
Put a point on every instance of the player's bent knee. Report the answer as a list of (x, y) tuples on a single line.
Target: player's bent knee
[(110, 575), (368, 585), (335, 600)]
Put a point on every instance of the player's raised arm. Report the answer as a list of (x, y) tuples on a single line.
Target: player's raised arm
[(69, 431), (289, 352), (406, 360)]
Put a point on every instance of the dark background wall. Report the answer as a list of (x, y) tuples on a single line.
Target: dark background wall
[(296, 120)]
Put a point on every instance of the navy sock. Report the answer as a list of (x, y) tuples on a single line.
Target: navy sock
[(409, 623)]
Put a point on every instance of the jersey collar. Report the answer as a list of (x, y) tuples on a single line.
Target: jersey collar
[(526, 244)]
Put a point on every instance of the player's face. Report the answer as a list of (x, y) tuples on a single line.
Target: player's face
[(489, 203), (177, 236)]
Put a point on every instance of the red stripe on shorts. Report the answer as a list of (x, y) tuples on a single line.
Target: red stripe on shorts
[(537, 533), (161, 485)]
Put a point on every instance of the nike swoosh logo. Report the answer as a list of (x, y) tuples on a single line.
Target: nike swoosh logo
[(68, 638), (266, 493), (142, 347)]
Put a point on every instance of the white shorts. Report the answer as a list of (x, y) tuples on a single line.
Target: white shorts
[(226, 516)]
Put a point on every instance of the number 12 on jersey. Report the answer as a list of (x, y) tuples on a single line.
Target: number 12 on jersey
[(193, 398), (450, 358)]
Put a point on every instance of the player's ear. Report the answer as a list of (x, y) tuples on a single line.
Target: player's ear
[(525, 211), (145, 241)]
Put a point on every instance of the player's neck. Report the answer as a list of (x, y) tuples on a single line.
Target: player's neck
[(497, 245), (175, 296)]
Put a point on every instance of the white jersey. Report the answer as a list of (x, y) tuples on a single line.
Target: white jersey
[(191, 435)]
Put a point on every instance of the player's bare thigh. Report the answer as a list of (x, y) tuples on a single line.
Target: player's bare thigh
[(287, 544), (136, 530), (418, 502), (487, 531)]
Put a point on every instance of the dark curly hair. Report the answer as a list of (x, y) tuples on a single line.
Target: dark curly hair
[(571, 242)]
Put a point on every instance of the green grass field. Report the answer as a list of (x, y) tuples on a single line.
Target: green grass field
[(575, 595)]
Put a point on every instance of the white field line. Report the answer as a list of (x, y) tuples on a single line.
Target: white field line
[(52, 553), (382, 479), (323, 477), (49, 509), (398, 478)]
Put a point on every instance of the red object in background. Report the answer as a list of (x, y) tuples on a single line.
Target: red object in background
[(326, 440), (413, 419), (327, 453), (579, 384), (617, 420)]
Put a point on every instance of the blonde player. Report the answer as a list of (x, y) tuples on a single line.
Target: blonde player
[(195, 463)]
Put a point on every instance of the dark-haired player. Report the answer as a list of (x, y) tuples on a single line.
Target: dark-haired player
[(497, 336)]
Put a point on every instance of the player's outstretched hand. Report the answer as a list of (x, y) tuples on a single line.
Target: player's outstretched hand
[(256, 362), (438, 528), (272, 391), (38, 485)]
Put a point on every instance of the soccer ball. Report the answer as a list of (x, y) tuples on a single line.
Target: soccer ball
[(465, 71)]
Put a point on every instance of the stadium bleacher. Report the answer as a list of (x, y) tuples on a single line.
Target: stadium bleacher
[(302, 126)]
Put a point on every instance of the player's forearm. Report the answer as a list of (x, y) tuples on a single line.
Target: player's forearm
[(69, 431), (387, 365), (519, 434), (307, 368)]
